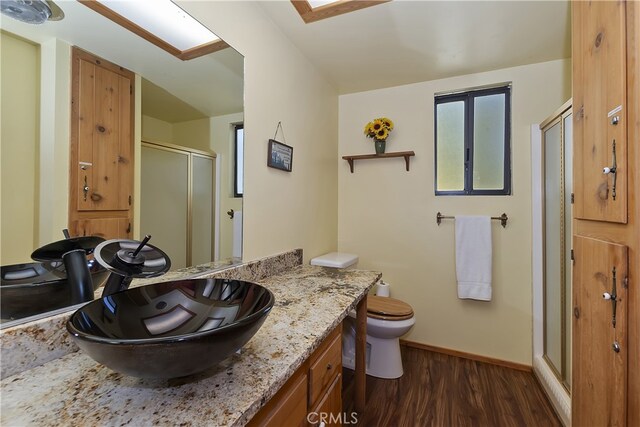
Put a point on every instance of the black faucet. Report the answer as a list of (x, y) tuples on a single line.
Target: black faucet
[(129, 259)]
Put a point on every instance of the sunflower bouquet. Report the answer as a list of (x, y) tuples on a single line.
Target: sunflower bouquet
[(378, 129)]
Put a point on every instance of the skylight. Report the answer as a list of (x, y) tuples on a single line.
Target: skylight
[(319, 3), (162, 23), (315, 10)]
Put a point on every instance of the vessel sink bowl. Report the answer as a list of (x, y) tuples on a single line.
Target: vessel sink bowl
[(171, 329), (38, 287)]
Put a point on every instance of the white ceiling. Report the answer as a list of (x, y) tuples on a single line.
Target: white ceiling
[(212, 84), (404, 41)]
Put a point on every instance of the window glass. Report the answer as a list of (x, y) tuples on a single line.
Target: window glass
[(450, 146), (488, 142)]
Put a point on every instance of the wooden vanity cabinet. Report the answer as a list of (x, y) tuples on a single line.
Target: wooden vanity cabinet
[(315, 388)]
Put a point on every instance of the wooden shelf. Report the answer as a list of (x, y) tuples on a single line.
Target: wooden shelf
[(405, 154)]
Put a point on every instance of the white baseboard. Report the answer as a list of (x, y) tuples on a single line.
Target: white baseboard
[(557, 394)]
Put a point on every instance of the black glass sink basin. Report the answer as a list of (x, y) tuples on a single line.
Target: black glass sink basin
[(37, 287), (171, 329)]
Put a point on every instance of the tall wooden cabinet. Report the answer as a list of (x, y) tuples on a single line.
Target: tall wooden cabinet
[(101, 165), (606, 301)]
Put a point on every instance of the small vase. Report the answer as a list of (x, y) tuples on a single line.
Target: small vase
[(380, 145)]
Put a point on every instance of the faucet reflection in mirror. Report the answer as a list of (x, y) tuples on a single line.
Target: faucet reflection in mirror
[(65, 274), (69, 272), (193, 104)]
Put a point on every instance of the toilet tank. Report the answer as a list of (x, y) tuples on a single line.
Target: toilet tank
[(336, 260)]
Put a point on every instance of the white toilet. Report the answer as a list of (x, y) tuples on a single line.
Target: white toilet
[(387, 320)]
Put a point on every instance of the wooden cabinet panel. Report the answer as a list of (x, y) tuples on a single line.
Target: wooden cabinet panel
[(599, 372), (288, 408), (323, 370), (599, 95), (329, 409), (319, 375), (107, 228)]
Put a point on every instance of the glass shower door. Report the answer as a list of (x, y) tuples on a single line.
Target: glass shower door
[(557, 142)]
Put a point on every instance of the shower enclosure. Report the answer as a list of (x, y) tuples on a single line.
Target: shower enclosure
[(552, 192)]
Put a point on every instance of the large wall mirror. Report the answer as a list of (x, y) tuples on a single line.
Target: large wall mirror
[(186, 117)]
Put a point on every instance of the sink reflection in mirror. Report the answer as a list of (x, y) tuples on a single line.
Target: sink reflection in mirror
[(171, 329), (177, 103), (37, 287)]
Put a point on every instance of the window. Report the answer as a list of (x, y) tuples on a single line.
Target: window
[(238, 183), (472, 134)]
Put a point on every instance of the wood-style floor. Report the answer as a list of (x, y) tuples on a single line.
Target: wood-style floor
[(441, 390)]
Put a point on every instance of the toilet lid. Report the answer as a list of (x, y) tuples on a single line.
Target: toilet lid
[(388, 308)]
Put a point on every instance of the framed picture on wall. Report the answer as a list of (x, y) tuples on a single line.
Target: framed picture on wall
[(280, 156)]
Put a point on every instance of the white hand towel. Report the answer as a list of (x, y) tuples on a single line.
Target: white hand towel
[(473, 257)]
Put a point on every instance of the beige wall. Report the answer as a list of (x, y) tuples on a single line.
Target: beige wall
[(281, 210), (19, 89), (223, 143), (48, 181), (156, 130), (193, 133), (387, 215), (55, 132)]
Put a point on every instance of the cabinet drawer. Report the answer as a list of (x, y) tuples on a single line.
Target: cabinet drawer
[(324, 369)]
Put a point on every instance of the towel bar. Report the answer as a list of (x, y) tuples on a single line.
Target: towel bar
[(502, 218)]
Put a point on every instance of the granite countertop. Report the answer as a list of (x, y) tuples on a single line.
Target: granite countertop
[(75, 390)]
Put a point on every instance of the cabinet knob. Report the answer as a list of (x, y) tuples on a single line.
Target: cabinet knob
[(329, 366)]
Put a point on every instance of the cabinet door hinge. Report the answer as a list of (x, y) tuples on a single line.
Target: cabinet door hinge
[(625, 282), (130, 89), (572, 198), (129, 199), (573, 259)]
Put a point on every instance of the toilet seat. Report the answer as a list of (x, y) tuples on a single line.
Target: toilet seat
[(386, 308)]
